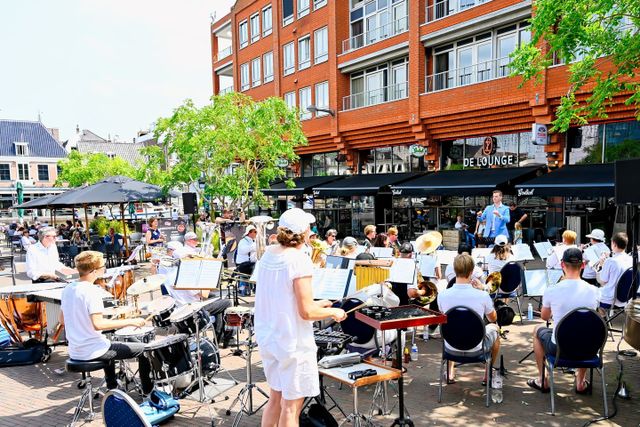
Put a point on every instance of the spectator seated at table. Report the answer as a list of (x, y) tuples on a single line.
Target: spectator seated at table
[(113, 241)]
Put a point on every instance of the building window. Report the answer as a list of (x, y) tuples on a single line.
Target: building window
[(267, 21), (43, 172), (443, 8), (304, 52), (287, 12), (303, 8), (289, 59), (383, 83), (256, 78), (322, 98), (322, 164), (374, 21), (23, 171), (290, 99), (267, 66), (5, 172), (604, 143), (321, 45), (243, 34), (255, 27), (396, 159), (22, 149), (317, 4), (305, 102), (244, 77)]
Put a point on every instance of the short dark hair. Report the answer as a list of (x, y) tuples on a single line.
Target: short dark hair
[(464, 247), (497, 191), (365, 256), (621, 240)]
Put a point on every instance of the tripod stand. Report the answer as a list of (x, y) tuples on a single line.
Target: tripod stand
[(245, 397)]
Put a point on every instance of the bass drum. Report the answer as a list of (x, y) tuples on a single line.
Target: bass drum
[(632, 324), (209, 354), (362, 332)]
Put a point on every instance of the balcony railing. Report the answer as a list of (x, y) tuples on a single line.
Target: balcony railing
[(476, 73), (227, 51), (384, 32), (225, 90), (444, 8), (377, 96)]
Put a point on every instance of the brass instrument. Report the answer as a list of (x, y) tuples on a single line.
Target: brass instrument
[(428, 242), (208, 231), (318, 249), (493, 282), (262, 223), (430, 288), (366, 275)]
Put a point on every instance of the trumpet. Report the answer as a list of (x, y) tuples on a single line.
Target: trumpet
[(494, 280)]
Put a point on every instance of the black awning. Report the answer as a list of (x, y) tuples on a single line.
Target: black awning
[(361, 185), (596, 180), (302, 185), (468, 182)]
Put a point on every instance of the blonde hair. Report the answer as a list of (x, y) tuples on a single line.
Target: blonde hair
[(369, 228), (569, 237), (392, 231), (288, 238), (88, 261), (518, 226), (463, 265)]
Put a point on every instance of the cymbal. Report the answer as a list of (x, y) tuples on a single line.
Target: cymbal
[(146, 284), (428, 242), (119, 312)]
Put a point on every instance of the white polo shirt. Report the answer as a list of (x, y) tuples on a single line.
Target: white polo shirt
[(610, 274), (588, 272), (41, 260), (568, 295)]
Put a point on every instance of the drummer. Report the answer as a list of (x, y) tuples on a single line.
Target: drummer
[(82, 308), (43, 260)]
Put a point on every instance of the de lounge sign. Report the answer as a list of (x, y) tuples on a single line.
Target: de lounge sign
[(488, 156)]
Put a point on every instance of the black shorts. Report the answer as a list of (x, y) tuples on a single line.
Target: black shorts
[(545, 335)]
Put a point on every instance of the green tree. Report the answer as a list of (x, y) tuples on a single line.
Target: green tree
[(600, 39), (232, 146), (85, 168)]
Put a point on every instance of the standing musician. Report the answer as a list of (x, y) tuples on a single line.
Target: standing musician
[(612, 270), (568, 241), (284, 312), (153, 236), (43, 260), (597, 239), (82, 309), (557, 302), (333, 244), (464, 293), (497, 217), (500, 254), (392, 233)]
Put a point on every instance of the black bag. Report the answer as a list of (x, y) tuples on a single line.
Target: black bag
[(504, 312), (30, 352), (317, 416)]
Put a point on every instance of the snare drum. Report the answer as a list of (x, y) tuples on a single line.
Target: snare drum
[(189, 318), (209, 354), (169, 357), (144, 334), (161, 309), (240, 317)]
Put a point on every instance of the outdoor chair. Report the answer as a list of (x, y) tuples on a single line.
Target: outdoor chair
[(464, 331), (512, 274), (622, 296), (118, 409), (580, 339)]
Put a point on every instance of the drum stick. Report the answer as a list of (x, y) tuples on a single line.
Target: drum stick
[(358, 307)]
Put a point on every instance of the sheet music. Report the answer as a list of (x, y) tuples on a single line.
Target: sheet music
[(382, 252), (334, 261), (522, 252), (544, 249), (210, 273), (446, 257), (330, 283), (403, 270), (134, 253), (426, 265), (593, 254), (198, 274), (535, 282)]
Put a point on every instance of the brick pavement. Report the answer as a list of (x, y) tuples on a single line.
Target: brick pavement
[(37, 396)]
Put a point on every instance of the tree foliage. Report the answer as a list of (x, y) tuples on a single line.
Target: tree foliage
[(232, 146), (85, 168), (600, 41)]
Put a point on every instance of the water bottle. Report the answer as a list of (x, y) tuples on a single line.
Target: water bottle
[(496, 388), (241, 286), (425, 333), (530, 312), (414, 352)]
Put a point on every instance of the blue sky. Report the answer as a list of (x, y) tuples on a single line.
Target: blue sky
[(111, 66)]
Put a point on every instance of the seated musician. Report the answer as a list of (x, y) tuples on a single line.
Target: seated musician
[(612, 268), (596, 240), (43, 260), (568, 241), (500, 254), (477, 276), (190, 246), (369, 236), (332, 242), (82, 309), (349, 247), (394, 243), (463, 293), (413, 290), (557, 302)]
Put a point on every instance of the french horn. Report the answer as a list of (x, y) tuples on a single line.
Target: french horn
[(494, 280), (431, 291)]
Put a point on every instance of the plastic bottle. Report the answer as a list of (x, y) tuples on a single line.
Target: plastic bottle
[(407, 355), (496, 388), (241, 286), (414, 352), (425, 333), (530, 312)]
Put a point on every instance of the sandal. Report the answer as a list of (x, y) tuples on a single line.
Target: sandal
[(585, 390), (533, 383), (451, 380)]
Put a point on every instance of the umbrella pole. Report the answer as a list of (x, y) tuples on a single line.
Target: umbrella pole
[(124, 229), (86, 223)]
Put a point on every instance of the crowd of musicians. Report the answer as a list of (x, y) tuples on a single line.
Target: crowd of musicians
[(284, 304)]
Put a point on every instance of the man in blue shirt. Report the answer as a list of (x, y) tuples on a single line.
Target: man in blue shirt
[(496, 217)]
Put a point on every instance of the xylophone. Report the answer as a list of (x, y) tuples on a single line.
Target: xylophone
[(330, 342), (404, 316)]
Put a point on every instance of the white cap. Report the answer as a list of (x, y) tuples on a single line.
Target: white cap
[(174, 245), (249, 229), (190, 236), (597, 234), (501, 240), (296, 220), (349, 241)]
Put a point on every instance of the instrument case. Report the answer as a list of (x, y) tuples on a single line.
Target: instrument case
[(32, 351)]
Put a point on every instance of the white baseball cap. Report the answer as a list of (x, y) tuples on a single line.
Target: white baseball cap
[(597, 234), (190, 236), (501, 240), (296, 220), (249, 229), (174, 245)]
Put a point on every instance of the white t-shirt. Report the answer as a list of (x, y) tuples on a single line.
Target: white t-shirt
[(278, 324), (184, 251), (450, 273), (568, 295), (246, 251), (468, 296), (610, 274), (588, 272), (79, 301), (494, 264)]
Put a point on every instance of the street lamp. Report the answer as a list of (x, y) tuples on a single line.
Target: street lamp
[(314, 109)]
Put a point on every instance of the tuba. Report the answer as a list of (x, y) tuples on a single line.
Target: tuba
[(262, 223), (428, 242), (494, 280)]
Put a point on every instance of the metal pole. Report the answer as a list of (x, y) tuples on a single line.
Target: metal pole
[(86, 223), (124, 229)]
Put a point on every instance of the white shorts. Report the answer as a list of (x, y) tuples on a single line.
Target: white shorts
[(295, 376)]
